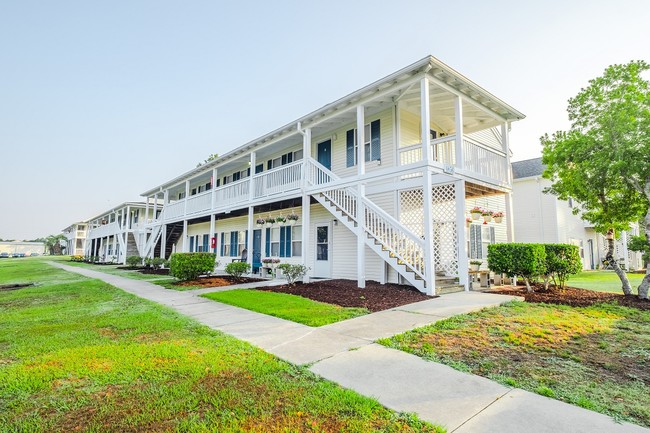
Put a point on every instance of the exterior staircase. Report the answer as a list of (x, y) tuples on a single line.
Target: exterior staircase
[(402, 249)]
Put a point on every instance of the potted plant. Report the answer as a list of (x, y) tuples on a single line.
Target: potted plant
[(487, 216), (260, 222), (268, 221), (476, 212), (475, 265), (280, 220), (498, 216), (292, 218)]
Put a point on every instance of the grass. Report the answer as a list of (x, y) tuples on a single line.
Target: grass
[(603, 281), (595, 357), (285, 306), (127, 273), (77, 354)]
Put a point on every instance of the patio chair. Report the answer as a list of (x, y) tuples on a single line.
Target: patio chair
[(244, 257)]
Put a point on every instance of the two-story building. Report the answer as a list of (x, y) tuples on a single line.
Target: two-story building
[(378, 183), (118, 232), (75, 235)]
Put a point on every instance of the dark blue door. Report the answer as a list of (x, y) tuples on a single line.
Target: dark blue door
[(257, 250), (325, 154)]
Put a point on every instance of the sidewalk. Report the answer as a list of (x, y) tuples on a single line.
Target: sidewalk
[(344, 352)]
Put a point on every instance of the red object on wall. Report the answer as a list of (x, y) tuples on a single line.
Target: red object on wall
[(213, 242)]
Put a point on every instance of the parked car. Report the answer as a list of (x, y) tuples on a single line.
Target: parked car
[(33, 254), (4, 255), (18, 255)]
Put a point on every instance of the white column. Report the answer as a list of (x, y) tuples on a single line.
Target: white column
[(427, 186), (211, 229), (146, 213), (251, 184), (306, 239), (187, 195), (361, 191), (128, 218), (249, 244), (458, 113), (213, 199), (505, 143), (117, 258), (163, 240), (184, 246), (462, 253), (509, 220)]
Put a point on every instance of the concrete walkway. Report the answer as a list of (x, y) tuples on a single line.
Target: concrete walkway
[(344, 352)]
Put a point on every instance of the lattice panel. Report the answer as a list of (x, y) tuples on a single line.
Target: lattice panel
[(445, 235)]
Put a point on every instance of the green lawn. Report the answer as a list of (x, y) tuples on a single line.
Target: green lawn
[(127, 273), (285, 306), (596, 357), (77, 354), (603, 281)]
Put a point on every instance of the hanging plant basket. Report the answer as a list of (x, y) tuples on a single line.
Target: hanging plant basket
[(280, 220), (260, 222), (268, 221), (487, 216), (476, 213), (292, 218), (498, 217)]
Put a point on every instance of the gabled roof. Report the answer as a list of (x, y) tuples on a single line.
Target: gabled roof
[(137, 204), (446, 75), (528, 168)]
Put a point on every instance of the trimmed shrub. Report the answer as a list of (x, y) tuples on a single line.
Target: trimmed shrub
[(188, 266), (237, 269), (134, 261), (524, 260), (293, 272), (562, 260)]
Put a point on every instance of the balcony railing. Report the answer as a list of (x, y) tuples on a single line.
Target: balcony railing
[(104, 230), (478, 158)]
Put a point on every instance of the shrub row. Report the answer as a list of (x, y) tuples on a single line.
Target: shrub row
[(188, 266), (531, 261)]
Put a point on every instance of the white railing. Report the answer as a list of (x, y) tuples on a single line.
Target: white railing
[(478, 158), (199, 202), (278, 180), (233, 193), (104, 230), (174, 210), (317, 174), (485, 160)]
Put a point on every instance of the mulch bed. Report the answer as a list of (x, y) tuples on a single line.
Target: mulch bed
[(225, 280), (345, 293), (573, 297), (145, 270)]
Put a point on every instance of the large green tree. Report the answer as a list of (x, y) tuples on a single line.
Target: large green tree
[(55, 244), (603, 160)]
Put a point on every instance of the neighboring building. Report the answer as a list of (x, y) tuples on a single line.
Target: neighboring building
[(19, 247), (117, 233), (392, 209), (541, 217), (76, 238)]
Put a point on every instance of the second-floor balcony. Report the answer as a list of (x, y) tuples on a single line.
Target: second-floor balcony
[(104, 230)]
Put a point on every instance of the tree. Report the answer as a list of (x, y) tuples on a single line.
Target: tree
[(640, 245), (55, 244), (210, 157), (603, 161)]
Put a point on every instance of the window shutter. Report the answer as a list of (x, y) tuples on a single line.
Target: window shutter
[(259, 168), (284, 159), (223, 243), (282, 238), (349, 147), (476, 250), (287, 239), (375, 141), (268, 242), (191, 244), (218, 182), (289, 157), (215, 244), (233, 243), (246, 240), (206, 242), (492, 236), (269, 164)]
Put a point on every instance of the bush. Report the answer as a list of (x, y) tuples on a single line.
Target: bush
[(237, 269), (293, 272), (155, 263), (77, 259), (525, 260), (188, 266), (562, 260), (134, 261)]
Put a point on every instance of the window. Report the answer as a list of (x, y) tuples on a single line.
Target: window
[(181, 195), (234, 243), (278, 241), (225, 249), (193, 192), (81, 227), (242, 242), (480, 237), (259, 168), (297, 155), (322, 243), (372, 144), (287, 158), (206, 242), (191, 244), (296, 241)]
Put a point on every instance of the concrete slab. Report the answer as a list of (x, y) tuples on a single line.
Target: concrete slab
[(404, 382), (315, 345), (266, 333), (382, 324), (522, 411), (200, 308), (218, 318), (457, 303)]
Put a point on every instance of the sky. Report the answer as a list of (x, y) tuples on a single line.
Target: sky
[(100, 101)]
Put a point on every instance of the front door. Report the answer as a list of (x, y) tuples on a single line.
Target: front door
[(257, 250), (322, 267), (325, 154)]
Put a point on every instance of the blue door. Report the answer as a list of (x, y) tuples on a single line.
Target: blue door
[(257, 250), (325, 154)]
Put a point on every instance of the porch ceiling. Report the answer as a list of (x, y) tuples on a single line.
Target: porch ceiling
[(473, 190)]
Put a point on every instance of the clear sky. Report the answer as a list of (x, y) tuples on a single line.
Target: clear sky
[(100, 101)]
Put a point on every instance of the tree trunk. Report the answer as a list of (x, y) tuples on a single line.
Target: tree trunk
[(625, 283), (528, 288), (645, 284)]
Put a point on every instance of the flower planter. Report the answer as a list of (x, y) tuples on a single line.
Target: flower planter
[(475, 215), (474, 267), (498, 219), (487, 218)]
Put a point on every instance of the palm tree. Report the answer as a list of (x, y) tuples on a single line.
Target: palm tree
[(55, 244)]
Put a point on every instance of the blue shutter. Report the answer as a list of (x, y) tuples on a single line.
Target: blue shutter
[(233, 244), (287, 239), (349, 147), (282, 241), (268, 243), (246, 240), (223, 243), (215, 244), (269, 164), (375, 141), (206, 243), (191, 244), (289, 157)]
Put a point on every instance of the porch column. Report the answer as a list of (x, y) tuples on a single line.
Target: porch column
[(163, 240), (213, 199), (155, 207), (458, 113), (212, 230), (251, 184), (128, 217), (249, 244), (306, 205), (146, 212), (510, 226), (505, 143), (427, 188), (461, 253), (361, 191), (115, 247), (184, 245), (187, 195)]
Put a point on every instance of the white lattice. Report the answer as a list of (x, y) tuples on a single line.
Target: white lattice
[(443, 213)]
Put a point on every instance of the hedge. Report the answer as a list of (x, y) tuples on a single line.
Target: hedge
[(562, 260), (188, 266), (237, 269), (524, 260)]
